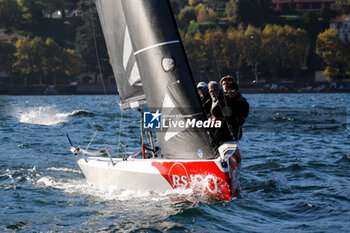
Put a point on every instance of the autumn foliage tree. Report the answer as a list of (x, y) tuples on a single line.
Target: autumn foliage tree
[(344, 6), (335, 54), (28, 57), (44, 59), (253, 51), (285, 48), (57, 61), (231, 11), (234, 50), (7, 54), (206, 15), (212, 42), (197, 54), (31, 10), (10, 14), (277, 49), (193, 2), (186, 15)]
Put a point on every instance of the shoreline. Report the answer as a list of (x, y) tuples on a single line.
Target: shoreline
[(111, 89)]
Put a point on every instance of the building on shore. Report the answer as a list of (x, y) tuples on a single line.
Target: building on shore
[(10, 37), (217, 5), (304, 5), (341, 25)]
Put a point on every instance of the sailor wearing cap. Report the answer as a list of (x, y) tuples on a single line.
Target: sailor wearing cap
[(203, 92)]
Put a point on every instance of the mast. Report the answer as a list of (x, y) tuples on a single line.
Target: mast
[(166, 76)]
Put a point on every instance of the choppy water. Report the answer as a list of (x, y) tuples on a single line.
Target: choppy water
[(295, 172)]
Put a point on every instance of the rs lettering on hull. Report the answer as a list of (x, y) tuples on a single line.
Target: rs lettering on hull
[(203, 177), (209, 182)]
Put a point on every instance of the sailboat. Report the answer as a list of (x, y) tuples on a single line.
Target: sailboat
[(151, 69)]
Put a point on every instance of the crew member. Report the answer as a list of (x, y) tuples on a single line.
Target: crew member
[(223, 133), (237, 109), (225, 81), (205, 96)]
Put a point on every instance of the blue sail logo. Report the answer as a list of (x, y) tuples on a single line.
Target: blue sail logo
[(152, 120)]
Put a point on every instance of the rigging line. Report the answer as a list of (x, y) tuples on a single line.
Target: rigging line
[(225, 102), (206, 69), (120, 132), (100, 70), (93, 137), (221, 108), (216, 59), (202, 64), (127, 133), (96, 49), (207, 76)]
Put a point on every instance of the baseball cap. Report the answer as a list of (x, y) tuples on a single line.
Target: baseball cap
[(202, 85)]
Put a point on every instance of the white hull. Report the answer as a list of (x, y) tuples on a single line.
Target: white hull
[(215, 178), (135, 174)]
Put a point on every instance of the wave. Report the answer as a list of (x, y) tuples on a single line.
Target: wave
[(275, 184), (46, 183), (156, 207), (297, 119), (17, 226), (48, 115), (14, 178), (81, 113), (64, 169)]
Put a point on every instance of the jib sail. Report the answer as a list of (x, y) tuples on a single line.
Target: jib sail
[(121, 53)]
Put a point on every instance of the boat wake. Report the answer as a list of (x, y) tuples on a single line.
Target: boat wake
[(122, 207), (64, 170), (48, 115), (81, 187), (67, 181)]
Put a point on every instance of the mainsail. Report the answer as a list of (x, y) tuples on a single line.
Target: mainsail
[(165, 73), (121, 53)]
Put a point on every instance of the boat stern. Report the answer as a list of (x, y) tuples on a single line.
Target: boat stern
[(217, 178)]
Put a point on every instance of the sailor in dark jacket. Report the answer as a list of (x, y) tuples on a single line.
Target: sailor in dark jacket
[(217, 113), (205, 97), (237, 109)]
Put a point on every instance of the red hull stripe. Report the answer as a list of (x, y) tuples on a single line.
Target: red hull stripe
[(204, 177)]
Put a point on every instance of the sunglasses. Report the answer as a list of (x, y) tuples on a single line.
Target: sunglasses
[(201, 88), (232, 91)]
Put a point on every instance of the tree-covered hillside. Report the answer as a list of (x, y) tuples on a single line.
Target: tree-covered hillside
[(52, 41)]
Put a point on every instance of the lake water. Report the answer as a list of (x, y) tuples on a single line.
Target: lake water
[(295, 173)]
